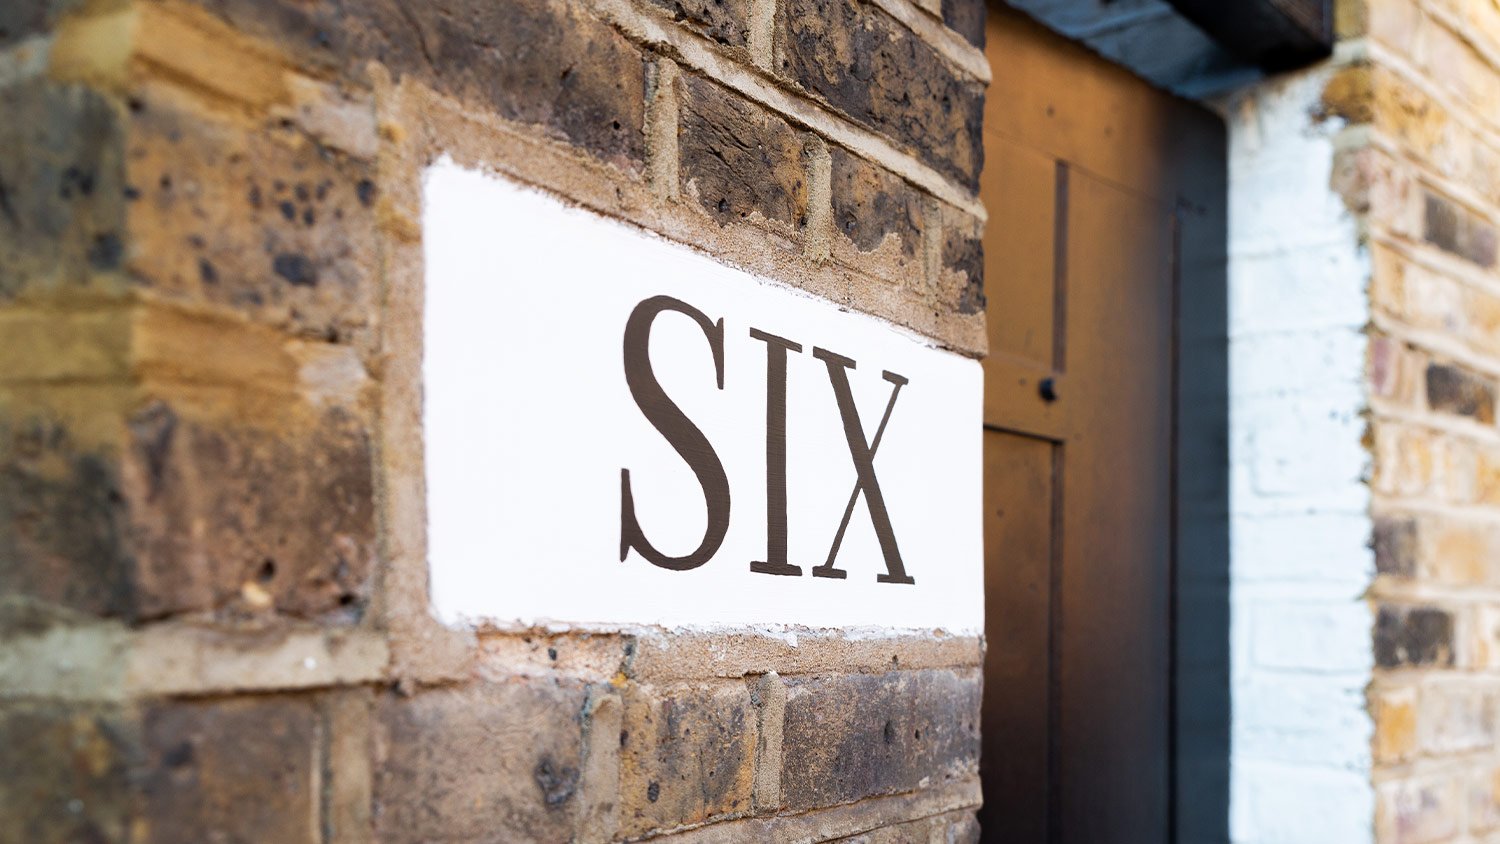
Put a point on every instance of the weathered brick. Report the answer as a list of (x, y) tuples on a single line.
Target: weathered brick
[(22, 18), (63, 518), (725, 21), (967, 18), (878, 213), (882, 75), (233, 770), (1413, 636), (853, 736), (1451, 389), (250, 520), (961, 287), (545, 62), (739, 159), (687, 755), (1453, 228), (1396, 545), (64, 774), (268, 222), (62, 190), (486, 762)]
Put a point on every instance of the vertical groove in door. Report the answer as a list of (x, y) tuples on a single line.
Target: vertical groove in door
[(1060, 270), (1054, 655), (1055, 568), (1174, 255)]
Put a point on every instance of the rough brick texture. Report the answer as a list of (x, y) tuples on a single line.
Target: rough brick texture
[(739, 159), (63, 776), (688, 754), (725, 21), (238, 770), (62, 189), (207, 536), (462, 764), (878, 217), (63, 522), (848, 737), (274, 223), (213, 605), (522, 60), (880, 74)]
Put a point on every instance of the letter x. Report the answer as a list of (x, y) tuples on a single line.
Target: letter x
[(863, 455)]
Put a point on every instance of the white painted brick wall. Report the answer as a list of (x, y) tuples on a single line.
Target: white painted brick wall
[(1300, 637)]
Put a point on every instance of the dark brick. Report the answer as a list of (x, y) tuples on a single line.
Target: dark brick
[(235, 771), (687, 755), (62, 200), (963, 266), (63, 520), (23, 18), (1451, 389), (880, 74), (217, 507), (869, 203), (739, 158), (1413, 636), (854, 736), (725, 21), (64, 774), (967, 18), (1396, 545), (481, 763), (278, 219), (547, 62), (1455, 229)]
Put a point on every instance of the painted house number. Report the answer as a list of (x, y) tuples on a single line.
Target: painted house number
[(699, 454), (618, 430)]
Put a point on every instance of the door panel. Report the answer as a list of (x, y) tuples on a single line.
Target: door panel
[(1020, 491), (1115, 585), (1091, 180)]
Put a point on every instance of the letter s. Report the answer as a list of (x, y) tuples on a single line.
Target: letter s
[(678, 429)]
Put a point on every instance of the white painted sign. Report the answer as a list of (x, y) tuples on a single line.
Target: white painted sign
[(621, 430)]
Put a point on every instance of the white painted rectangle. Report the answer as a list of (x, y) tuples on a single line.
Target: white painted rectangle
[(529, 422)]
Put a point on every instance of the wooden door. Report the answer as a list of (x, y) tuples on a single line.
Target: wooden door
[(1104, 264)]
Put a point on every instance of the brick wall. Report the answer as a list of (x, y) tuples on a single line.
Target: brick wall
[(1431, 83), (1402, 130), (213, 615)]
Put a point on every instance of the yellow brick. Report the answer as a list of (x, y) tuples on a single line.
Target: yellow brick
[(63, 345), (1458, 553), (192, 45), (178, 345), (95, 49), (1393, 22), (1395, 713)]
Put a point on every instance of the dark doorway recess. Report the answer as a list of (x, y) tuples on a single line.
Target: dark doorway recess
[(1106, 712)]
